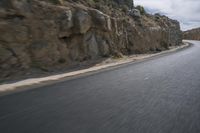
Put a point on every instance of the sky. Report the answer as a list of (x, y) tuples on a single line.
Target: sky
[(187, 12)]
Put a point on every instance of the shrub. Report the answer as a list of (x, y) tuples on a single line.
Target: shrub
[(141, 9), (124, 8)]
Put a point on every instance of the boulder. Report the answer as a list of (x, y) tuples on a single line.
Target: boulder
[(134, 13), (91, 45), (100, 20), (65, 23), (82, 21)]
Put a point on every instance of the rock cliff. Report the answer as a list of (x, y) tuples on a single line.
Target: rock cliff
[(193, 34), (46, 34)]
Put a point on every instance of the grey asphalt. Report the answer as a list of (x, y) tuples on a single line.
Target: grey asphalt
[(159, 95)]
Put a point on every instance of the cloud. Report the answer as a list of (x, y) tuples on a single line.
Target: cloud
[(187, 12)]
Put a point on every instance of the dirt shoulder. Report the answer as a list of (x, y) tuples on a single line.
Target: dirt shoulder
[(7, 88)]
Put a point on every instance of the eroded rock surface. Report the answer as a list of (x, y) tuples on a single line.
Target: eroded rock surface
[(42, 35)]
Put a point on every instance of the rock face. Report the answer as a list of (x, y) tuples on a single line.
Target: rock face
[(42, 35), (193, 34)]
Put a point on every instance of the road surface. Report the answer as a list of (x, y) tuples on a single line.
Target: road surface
[(160, 95)]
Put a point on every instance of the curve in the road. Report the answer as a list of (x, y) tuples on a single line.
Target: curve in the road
[(161, 95)]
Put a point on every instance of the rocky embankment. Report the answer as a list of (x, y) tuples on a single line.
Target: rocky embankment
[(45, 35), (193, 34)]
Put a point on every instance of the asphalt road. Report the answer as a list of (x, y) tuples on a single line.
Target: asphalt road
[(160, 95)]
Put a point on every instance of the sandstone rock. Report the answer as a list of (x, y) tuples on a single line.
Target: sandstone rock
[(40, 34), (5, 54), (65, 24), (76, 48), (43, 53), (82, 21), (100, 20), (91, 45), (134, 13), (103, 46), (104, 49)]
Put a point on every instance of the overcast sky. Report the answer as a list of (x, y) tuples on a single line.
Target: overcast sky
[(187, 12)]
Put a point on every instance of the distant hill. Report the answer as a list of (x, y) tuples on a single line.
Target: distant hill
[(193, 34)]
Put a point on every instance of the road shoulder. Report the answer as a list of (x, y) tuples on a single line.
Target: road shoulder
[(31, 83)]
